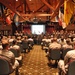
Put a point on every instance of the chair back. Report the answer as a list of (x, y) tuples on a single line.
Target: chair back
[(5, 66), (71, 68), (31, 43), (15, 52), (64, 51), (55, 54), (25, 44)]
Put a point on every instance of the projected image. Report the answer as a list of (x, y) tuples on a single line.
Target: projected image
[(38, 29)]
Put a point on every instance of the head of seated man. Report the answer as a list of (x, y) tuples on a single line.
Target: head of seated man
[(68, 41), (54, 39), (14, 42), (67, 45), (15, 45), (5, 44)]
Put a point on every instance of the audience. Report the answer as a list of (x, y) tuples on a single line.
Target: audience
[(58, 42), (63, 64), (25, 44), (17, 48), (30, 42), (7, 53)]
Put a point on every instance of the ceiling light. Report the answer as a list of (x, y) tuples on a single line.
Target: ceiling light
[(16, 0), (42, 10), (29, 0), (33, 11)]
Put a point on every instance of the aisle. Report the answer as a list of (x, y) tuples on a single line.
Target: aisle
[(35, 63)]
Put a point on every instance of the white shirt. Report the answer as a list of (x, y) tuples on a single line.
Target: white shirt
[(70, 54), (67, 46), (55, 45)]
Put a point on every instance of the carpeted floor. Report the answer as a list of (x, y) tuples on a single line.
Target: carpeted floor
[(35, 63)]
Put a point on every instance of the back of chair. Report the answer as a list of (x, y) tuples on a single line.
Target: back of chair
[(15, 52), (31, 43), (55, 54), (5, 68), (71, 68), (25, 44), (64, 51)]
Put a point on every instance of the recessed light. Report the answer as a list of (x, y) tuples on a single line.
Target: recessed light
[(16, 0), (42, 10), (33, 11)]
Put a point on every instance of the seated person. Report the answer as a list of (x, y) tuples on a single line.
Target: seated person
[(17, 48), (63, 64), (67, 45), (43, 43), (30, 42), (5, 52), (25, 44), (10, 39), (19, 40), (54, 45)]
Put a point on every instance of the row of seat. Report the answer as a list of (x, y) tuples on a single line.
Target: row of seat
[(5, 66), (71, 68), (56, 54)]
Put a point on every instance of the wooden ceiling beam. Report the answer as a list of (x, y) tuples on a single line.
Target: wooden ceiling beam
[(39, 8), (19, 6), (57, 8), (55, 15), (47, 4), (30, 15), (8, 5), (24, 6), (34, 13), (28, 6), (13, 3)]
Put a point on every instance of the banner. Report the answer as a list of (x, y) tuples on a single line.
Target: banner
[(68, 10), (8, 20), (61, 16), (16, 19)]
